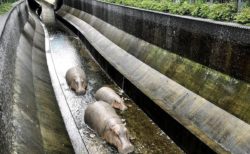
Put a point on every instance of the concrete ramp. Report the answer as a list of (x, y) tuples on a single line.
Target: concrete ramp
[(30, 119)]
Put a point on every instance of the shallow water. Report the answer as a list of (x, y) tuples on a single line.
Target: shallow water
[(68, 51)]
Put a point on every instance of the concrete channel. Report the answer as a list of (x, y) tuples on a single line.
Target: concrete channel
[(35, 113), (40, 114), (66, 51)]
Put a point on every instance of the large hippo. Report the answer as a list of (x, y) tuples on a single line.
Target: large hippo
[(102, 118), (77, 80), (108, 95)]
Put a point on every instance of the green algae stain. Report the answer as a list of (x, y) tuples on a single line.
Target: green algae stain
[(222, 90)]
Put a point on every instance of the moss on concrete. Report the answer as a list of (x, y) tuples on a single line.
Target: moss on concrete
[(5, 7)]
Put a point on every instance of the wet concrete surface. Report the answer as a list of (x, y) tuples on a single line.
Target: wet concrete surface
[(68, 51), (13, 26), (3, 18)]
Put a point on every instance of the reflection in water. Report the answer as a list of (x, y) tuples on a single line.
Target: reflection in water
[(67, 51)]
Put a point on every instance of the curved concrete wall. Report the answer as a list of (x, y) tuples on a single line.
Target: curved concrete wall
[(228, 93), (221, 46), (30, 118), (219, 130), (13, 27)]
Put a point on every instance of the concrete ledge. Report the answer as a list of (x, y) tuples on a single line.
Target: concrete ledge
[(26, 123), (219, 130), (54, 134), (8, 44), (69, 121)]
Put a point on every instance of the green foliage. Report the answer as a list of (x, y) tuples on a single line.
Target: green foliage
[(216, 11), (5, 7), (174, 8), (182, 9), (201, 10), (8, 1), (243, 17), (186, 8), (224, 12), (159, 6)]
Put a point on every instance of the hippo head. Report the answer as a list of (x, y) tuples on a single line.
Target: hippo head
[(79, 86), (118, 136), (119, 104)]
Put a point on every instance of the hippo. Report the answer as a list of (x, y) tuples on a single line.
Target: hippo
[(77, 80), (108, 95), (102, 118)]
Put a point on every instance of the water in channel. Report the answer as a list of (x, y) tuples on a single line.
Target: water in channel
[(68, 51)]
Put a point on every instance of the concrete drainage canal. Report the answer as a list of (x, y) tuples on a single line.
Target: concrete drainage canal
[(66, 51), (32, 123), (41, 114)]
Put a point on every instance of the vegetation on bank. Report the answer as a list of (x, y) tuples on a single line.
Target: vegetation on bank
[(215, 11), (5, 7), (244, 16)]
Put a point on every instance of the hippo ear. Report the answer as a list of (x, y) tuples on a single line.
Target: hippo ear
[(115, 104), (122, 100), (115, 129)]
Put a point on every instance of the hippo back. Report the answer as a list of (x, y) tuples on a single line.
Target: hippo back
[(106, 94), (97, 115)]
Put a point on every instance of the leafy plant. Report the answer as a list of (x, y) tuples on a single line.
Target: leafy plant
[(243, 17), (224, 12), (201, 10), (174, 8), (186, 8)]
